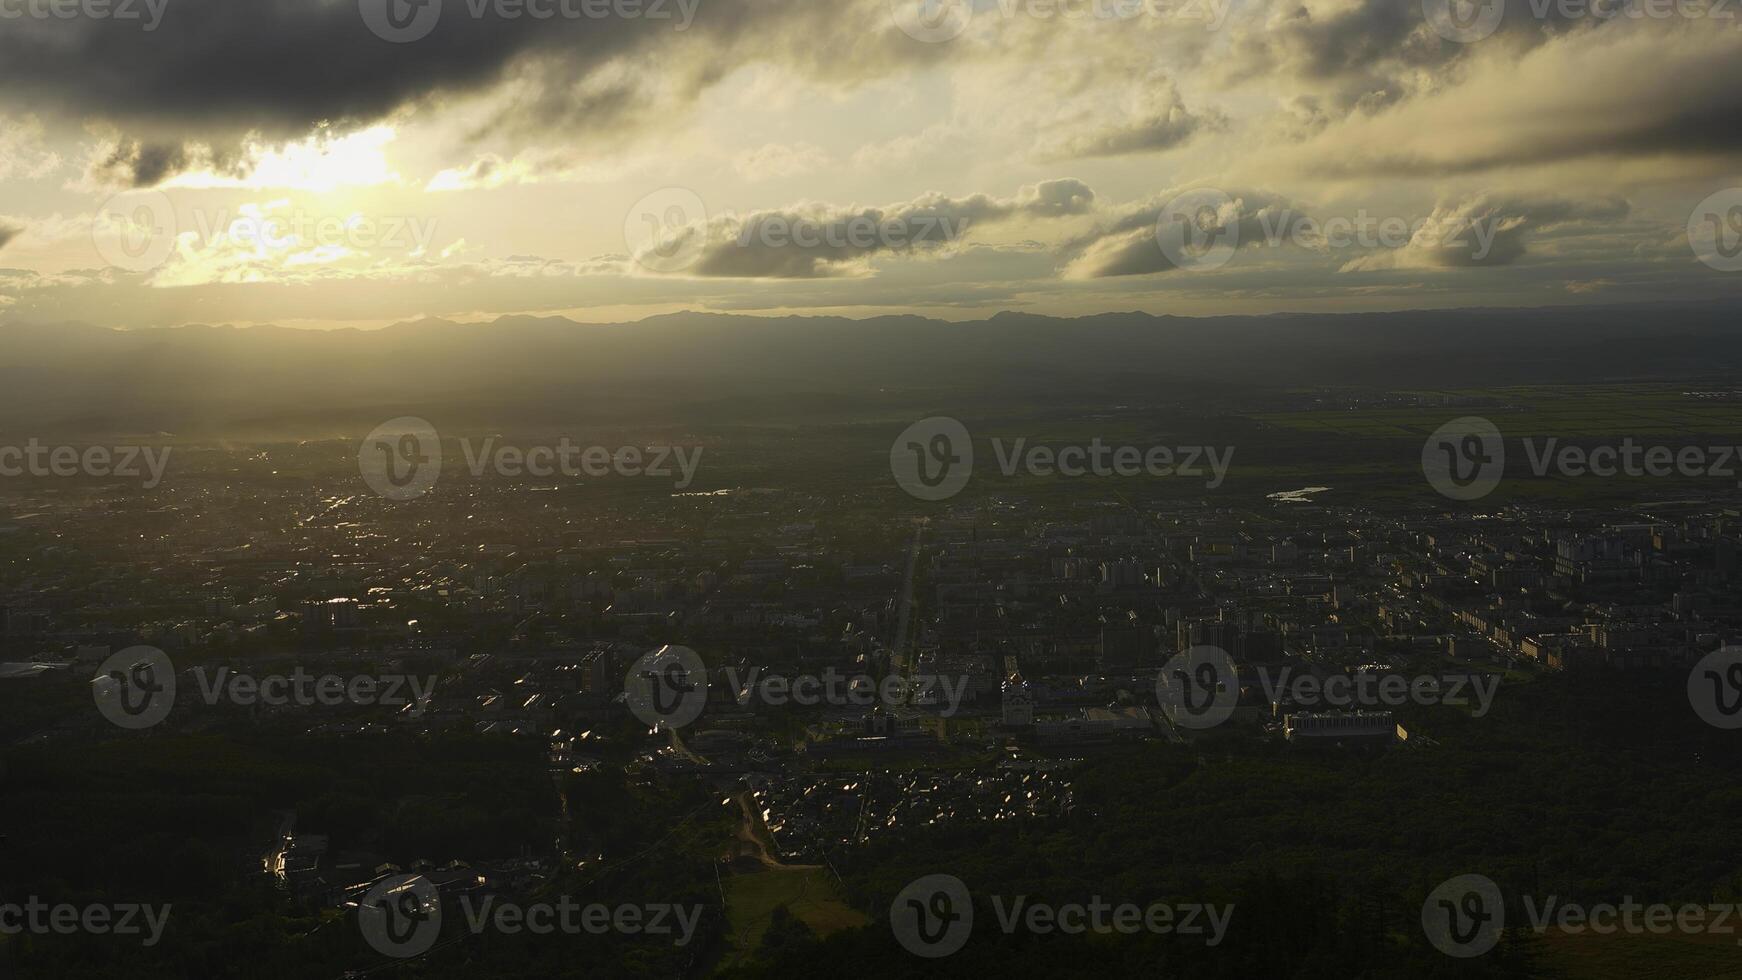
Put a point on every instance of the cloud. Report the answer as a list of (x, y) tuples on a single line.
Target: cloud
[(777, 160), (219, 75), (1485, 233), (131, 163), (1149, 120), (817, 240), (485, 172), (23, 155), (1364, 55), (1663, 90), (214, 73), (1127, 245), (9, 231)]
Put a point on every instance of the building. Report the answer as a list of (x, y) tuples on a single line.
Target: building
[(1352, 727), (1018, 703)]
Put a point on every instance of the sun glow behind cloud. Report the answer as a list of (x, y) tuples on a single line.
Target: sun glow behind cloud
[(320, 164)]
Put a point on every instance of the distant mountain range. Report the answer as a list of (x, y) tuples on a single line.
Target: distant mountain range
[(690, 368)]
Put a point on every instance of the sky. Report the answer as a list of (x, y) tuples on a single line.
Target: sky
[(356, 163)]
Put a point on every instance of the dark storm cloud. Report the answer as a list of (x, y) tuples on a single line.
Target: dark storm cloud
[(284, 65), (1673, 93), (137, 164), (8, 231), (213, 70), (1363, 58)]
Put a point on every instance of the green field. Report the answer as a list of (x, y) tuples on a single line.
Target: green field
[(810, 894), (1581, 412), (1623, 957)]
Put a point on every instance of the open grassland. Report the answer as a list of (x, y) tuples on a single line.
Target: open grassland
[(809, 894)]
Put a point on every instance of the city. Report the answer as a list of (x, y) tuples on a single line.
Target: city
[(863, 668)]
